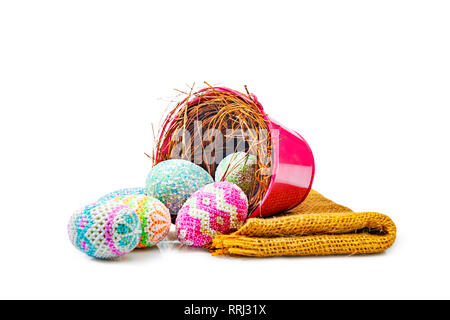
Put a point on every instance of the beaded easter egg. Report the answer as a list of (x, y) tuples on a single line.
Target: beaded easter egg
[(217, 208), (173, 181), (153, 215), (238, 168), (121, 193), (105, 230)]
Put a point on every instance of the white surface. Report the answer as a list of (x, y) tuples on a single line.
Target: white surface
[(366, 83)]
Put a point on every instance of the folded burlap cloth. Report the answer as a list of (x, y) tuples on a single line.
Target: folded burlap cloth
[(317, 226)]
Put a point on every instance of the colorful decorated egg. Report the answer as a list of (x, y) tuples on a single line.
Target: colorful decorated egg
[(153, 214), (121, 193), (173, 181), (217, 208), (105, 230), (238, 168)]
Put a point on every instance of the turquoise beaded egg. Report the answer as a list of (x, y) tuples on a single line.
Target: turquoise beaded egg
[(173, 181)]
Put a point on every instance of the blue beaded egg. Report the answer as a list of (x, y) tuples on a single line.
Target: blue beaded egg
[(173, 181), (121, 193)]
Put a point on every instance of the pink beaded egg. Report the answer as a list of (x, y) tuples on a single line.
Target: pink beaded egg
[(217, 208)]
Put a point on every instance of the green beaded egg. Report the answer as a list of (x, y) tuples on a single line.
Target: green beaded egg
[(238, 168)]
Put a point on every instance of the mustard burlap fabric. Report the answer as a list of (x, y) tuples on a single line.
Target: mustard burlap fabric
[(318, 226)]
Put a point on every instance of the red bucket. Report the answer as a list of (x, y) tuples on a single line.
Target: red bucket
[(292, 172), (292, 164)]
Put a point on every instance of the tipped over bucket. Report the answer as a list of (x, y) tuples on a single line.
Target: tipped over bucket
[(292, 162)]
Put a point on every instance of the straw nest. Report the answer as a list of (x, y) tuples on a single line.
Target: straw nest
[(212, 123)]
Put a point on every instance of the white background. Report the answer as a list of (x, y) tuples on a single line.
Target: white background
[(367, 83)]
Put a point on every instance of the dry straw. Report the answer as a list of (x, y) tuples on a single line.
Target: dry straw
[(236, 117), (318, 226)]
